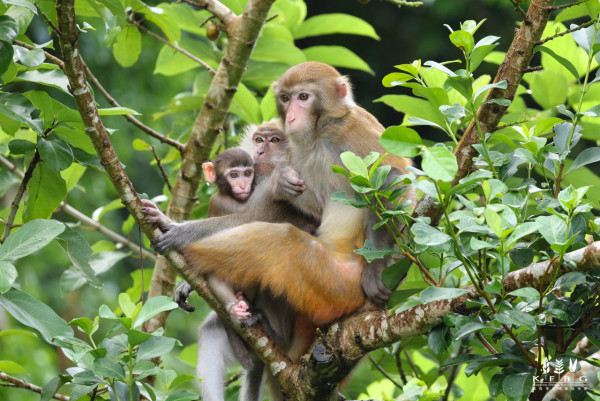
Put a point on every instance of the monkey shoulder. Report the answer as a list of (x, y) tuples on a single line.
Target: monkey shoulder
[(220, 205)]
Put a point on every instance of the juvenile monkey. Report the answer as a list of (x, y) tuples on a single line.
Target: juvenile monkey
[(218, 345), (320, 276)]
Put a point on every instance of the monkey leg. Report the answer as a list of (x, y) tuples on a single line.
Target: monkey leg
[(253, 381), (319, 282), (214, 354)]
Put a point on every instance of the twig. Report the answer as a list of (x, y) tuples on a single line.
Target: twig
[(163, 138), (485, 343), (233, 378), (70, 210), (161, 168), (49, 56), (216, 8), (558, 35), (14, 206), (28, 386), (406, 3), (576, 3), (383, 372), (181, 50), (520, 10)]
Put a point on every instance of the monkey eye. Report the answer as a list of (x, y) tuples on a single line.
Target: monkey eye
[(258, 139), (275, 139), (284, 98), (303, 96), (248, 173), (234, 175)]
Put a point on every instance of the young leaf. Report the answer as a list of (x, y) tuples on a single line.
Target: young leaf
[(463, 40), (553, 229), (355, 164), (128, 46), (401, 141), (152, 307), (8, 275), (46, 189), (439, 163)]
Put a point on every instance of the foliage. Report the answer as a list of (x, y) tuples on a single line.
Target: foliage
[(529, 199), (509, 211)]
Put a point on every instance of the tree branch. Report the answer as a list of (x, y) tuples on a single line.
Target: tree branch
[(216, 8), (14, 206), (179, 49), (28, 386), (163, 138), (512, 69), (71, 211)]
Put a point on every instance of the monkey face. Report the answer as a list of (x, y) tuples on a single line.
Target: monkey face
[(267, 145), (240, 181)]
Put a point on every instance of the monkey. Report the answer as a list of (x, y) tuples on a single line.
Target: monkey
[(218, 344), (320, 276)]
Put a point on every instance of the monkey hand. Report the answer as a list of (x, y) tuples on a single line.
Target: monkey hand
[(372, 283), (154, 215), (289, 185), (241, 311), (174, 237), (182, 293)]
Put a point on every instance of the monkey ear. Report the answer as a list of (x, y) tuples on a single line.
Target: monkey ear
[(209, 172)]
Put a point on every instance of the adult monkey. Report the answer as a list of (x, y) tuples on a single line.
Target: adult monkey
[(218, 344), (321, 277)]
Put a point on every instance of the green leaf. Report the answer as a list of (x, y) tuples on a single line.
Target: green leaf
[(21, 146), (395, 79), (563, 61), (79, 252), (401, 141), (502, 85), (8, 275), (583, 37), (355, 164), (32, 236), (181, 395), (521, 231), (171, 62), (35, 314), (370, 252), (108, 368), (52, 78), (494, 221), (55, 152), (463, 40), (553, 229), (6, 59), (527, 292), (128, 46), (548, 88), (246, 106), (17, 107), (156, 346), (337, 56), (46, 190), (277, 51), (30, 58), (567, 281), (587, 156), (85, 324), (470, 328), (154, 306), (12, 367), (424, 234), (52, 387), (414, 107), (510, 317), (439, 163), (327, 24), (517, 387), (126, 305), (117, 111), (8, 29), (164, 21), (136, 337), (464, 86), (431, 294)]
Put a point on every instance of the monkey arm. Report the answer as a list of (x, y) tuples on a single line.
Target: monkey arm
[(286, 183), (317, 281)]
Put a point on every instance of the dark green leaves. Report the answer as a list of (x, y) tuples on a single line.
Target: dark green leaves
[(401, 141), (8, 32), (56, 153)]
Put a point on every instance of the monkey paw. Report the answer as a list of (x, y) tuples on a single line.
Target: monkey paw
[(154, 215), (172, 238), (289, 185), (182, 293), (252, 320), (373, 286)]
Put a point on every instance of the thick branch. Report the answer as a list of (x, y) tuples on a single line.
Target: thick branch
[(512, 69), (384, 331), (71, 211), (28, 386)]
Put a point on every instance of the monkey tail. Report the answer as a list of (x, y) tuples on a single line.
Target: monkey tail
[(316, 281)]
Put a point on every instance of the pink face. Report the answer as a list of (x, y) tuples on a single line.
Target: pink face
[(240, 180), (297, 105), (267, 144)]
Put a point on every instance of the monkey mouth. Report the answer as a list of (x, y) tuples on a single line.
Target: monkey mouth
[(243, 195)]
